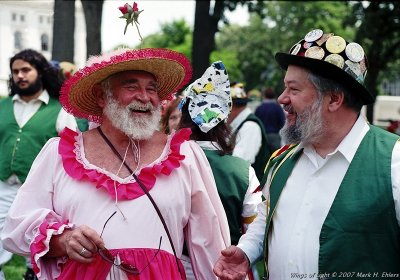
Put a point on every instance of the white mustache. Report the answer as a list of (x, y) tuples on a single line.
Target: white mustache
[(288, 108), (137, 106)]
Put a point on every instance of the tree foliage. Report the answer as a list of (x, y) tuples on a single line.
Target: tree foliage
[(208, 15), (284, 24), (379, 34), (175, 35)]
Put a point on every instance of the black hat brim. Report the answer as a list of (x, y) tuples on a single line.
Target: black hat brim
[(326, 70), (241, 101)]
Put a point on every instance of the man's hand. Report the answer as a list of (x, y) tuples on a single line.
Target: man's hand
[(79, 244), (232, 264)]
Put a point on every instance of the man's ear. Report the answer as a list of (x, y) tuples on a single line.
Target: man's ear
[(100, 95), (336, 100)]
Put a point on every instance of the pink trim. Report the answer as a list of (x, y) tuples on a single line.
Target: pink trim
[(116, 58), (126, 191), (38, 245)]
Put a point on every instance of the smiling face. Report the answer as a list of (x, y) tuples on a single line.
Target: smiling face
[(303, 106), (137, 86), (132, 104)]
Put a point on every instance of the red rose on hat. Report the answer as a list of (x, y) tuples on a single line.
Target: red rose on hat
[(131, 15)]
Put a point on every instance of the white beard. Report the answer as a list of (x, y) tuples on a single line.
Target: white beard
[(137, 128), (308, 127)]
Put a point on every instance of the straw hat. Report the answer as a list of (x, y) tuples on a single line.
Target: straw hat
[(332, 57), (171, 69)]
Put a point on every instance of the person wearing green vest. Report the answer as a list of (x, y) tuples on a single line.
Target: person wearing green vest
[(30, 116), (205, 108), (333, 196), (251, 139)]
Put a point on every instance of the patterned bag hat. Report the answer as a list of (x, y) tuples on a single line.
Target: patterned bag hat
[(330, 56), (209, 97)]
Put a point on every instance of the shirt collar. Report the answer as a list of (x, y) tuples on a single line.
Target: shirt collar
[(208, 145), (240, 118), (43, 97), (350, 142)]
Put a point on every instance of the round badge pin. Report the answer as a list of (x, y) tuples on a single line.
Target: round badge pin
[(354, 52), (307, 45), (323, 38), (335, 59), (353, 66), (313, 35), (363, 66), (335, 44), (295, 49), (315, 52)]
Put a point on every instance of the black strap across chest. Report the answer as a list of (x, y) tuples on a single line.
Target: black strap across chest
[(143, 187)]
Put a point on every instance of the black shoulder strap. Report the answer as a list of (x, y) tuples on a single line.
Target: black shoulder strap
[(143, 187)]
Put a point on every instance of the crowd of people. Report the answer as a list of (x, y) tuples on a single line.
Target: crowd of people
[(124, 170)]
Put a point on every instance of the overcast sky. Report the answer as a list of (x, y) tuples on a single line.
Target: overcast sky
[(154, 14)]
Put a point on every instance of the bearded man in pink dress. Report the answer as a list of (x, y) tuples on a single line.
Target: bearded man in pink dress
[(118, 201)]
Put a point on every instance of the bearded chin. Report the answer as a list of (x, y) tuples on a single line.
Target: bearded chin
[(137, 128), (29, 91), (307, 128)]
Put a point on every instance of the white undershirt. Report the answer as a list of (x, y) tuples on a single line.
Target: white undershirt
[(248, 138)]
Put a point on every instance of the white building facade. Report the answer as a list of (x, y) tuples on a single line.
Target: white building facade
[(29, 24)]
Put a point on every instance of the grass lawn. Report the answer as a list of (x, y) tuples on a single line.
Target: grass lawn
[(15, 268)]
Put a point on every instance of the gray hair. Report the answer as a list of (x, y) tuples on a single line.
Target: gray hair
[(325, 86), (106, 86)]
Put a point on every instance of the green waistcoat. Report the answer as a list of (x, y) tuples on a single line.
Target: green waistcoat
[(20, 146), (264, 153), (360, 233), (232, 179)]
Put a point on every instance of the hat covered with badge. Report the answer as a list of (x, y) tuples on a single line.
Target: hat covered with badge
[(330, 56)]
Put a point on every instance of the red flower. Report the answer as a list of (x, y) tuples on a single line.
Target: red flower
[(135, 7), (131, 15), (124, 9)]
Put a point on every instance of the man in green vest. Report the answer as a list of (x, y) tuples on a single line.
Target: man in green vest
[(333, 197), (29, 117), (251, 139)]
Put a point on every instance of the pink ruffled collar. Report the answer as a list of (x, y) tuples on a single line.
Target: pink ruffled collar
[(70, 152)]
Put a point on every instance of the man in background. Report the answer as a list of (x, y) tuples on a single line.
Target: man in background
[(251, 140), (30, 115), (272, 116)]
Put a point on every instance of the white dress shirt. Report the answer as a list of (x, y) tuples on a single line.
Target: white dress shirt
[(304, 205), (248, 138)]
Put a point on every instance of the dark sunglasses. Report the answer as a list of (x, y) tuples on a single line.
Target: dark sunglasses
[(128, 268)]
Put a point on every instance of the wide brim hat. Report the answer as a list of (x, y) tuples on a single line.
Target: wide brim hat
[(171, 69), (333, 58)]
